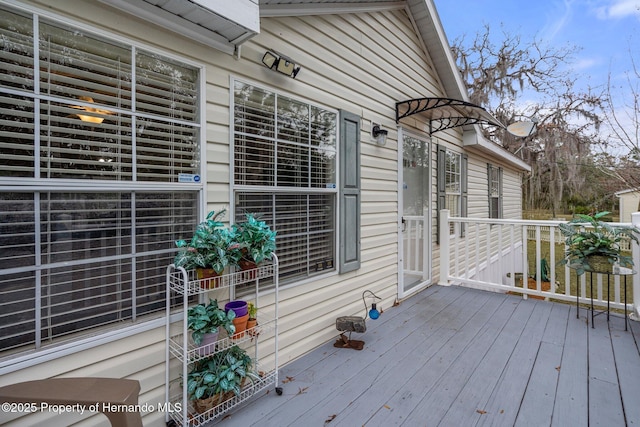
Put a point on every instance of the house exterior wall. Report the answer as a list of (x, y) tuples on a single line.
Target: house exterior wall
[(629, 203), (362, 63), (478, 203)]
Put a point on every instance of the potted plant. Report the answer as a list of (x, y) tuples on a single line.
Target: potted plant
[(218, 378), (253, 318), (240, 308), (209, 248), (594, 245), (256, 241), (205, 320)]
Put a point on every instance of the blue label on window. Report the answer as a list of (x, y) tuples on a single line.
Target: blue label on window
[(188, 177)]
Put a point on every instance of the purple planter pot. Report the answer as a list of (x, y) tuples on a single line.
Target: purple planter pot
[(239, 307)]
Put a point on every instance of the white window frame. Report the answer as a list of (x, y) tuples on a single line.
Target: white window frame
[(494, 181), (235, 188), (452, 176), (61, 346)]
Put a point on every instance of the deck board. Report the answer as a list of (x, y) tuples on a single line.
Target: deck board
[(452, 356), (572, 390)]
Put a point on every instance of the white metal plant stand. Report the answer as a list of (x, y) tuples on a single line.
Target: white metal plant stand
[(181, 354)]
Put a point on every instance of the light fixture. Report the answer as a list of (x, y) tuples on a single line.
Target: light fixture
[(379, 134), (87, 118), (280, 63)]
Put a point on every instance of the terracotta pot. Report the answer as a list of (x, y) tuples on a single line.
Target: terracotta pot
[(208, 278), (241, 325), (248, 267), (251, 324)]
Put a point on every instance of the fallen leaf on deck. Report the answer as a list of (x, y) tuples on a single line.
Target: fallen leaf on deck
[(287, 380), (331, 418), (480, 411), (302, 390), (387, 406)]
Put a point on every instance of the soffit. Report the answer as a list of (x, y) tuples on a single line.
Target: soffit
[(221, 24)]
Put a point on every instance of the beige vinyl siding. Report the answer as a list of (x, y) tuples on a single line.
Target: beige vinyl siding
[(478, 203), (629, 203), (360, 63)]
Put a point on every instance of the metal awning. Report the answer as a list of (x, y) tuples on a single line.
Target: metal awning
[(445, 113)]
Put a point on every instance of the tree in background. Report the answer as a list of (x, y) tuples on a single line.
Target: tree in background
[(622, 119), (515, 79)]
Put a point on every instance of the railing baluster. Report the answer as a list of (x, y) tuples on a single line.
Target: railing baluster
[(478, 259)]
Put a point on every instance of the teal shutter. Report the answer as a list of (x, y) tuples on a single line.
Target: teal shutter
[(500, 212), (464, 191), (489, 169), (441, 187), (350, 198)]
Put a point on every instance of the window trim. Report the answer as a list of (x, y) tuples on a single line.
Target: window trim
[(499, 171), (19, 359), (233, 188)]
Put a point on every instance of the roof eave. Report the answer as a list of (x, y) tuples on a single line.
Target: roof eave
[(475, 140)]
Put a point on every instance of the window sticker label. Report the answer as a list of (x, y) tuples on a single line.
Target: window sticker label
[(188, 177)]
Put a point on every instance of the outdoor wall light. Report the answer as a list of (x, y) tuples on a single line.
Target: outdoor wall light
[(280, 63), (379, 134)]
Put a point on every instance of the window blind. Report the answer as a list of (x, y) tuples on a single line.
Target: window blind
[(85, 256), (286, 148)]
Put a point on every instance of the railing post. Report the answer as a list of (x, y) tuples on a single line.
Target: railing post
[(444, 248), (635, 255)]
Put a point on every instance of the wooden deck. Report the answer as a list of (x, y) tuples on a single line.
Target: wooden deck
[(453, 356)]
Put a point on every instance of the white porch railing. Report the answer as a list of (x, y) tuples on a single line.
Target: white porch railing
[(414, 244), (507, 256)]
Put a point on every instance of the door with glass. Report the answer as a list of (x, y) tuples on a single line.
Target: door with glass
[(415, 214)]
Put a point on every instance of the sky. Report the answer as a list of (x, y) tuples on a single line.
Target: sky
[(606, 33)]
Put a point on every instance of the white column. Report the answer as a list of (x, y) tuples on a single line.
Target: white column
[(444, 248), (635, 255)]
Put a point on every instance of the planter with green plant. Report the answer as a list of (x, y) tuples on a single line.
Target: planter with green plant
[(215, 380), (256, 241), (209, 249), (252, 322), (204, 321), (594, 245)]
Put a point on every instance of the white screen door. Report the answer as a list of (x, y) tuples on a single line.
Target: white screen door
[(415, 220)]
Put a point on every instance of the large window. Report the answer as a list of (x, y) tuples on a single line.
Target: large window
[(96, 137), (285, 171)]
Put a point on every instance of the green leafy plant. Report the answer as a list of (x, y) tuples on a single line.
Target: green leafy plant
[(208, 318), (253, 310), (255, 238), (588, 235), (210, 246), (220, 373)]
